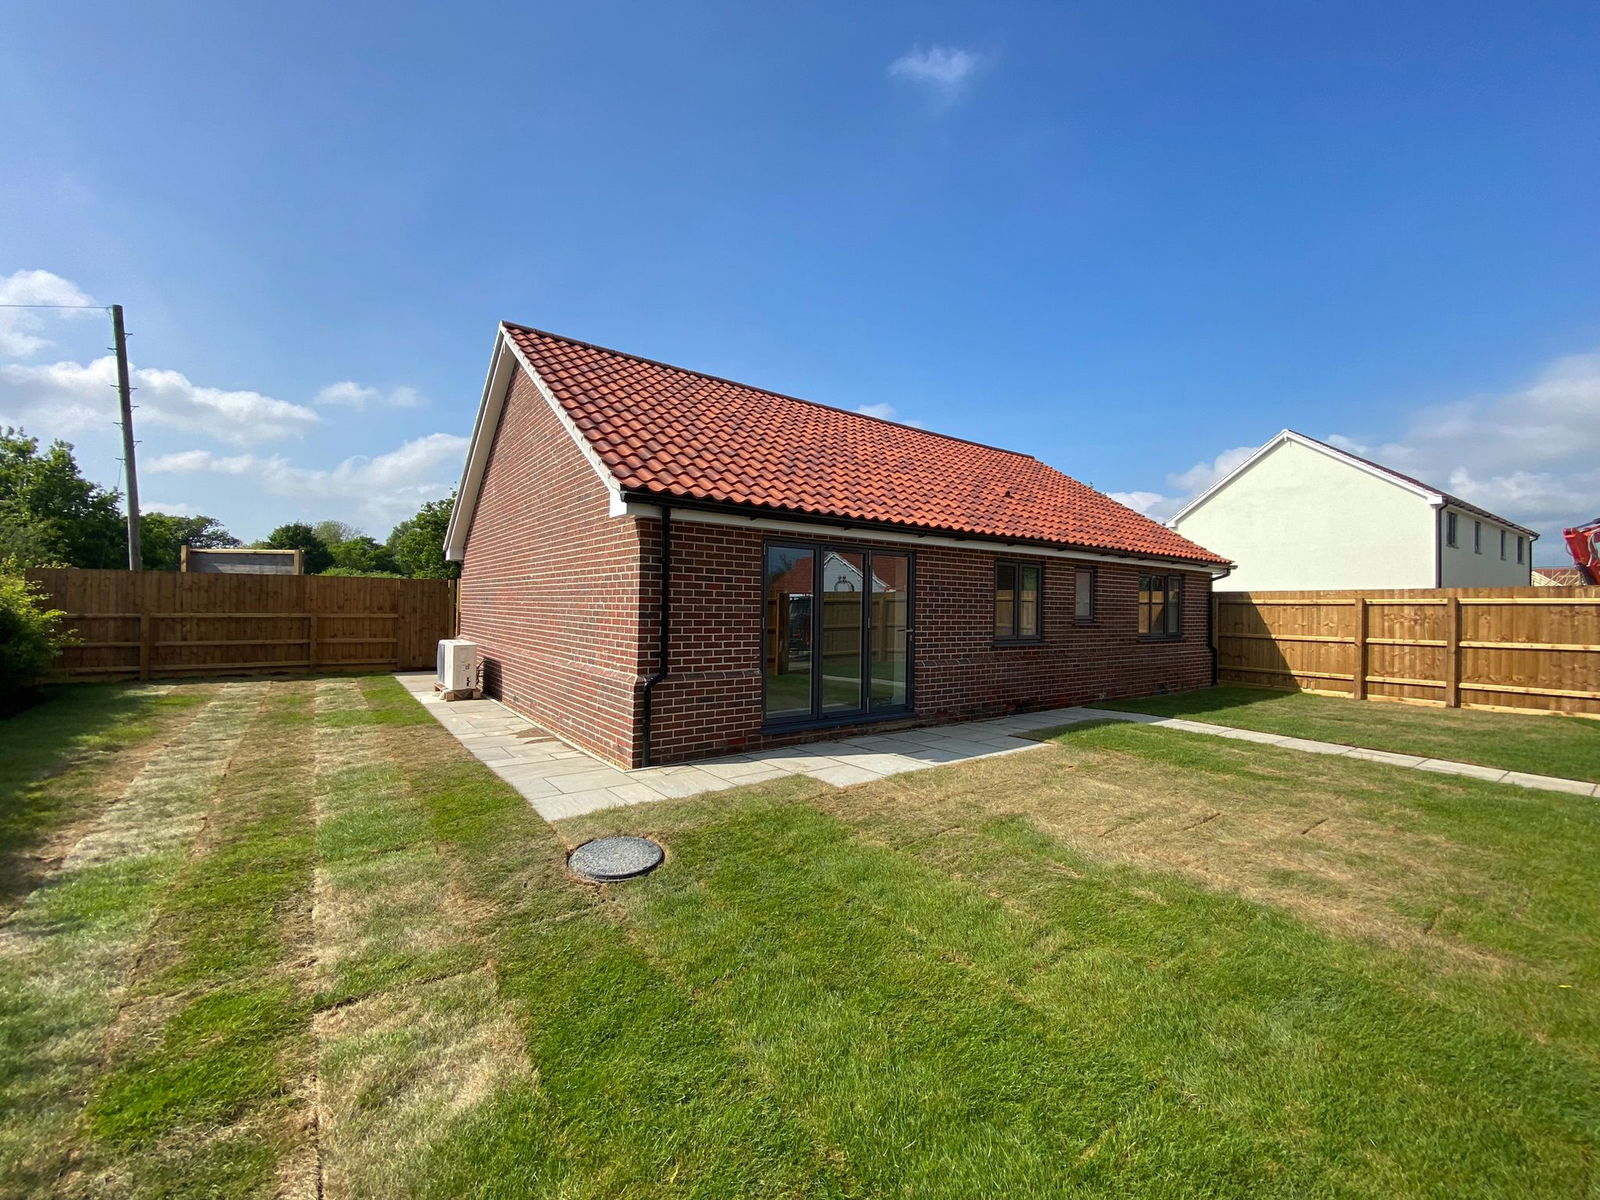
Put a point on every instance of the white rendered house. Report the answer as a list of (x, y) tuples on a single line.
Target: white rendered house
[(1301, 514)]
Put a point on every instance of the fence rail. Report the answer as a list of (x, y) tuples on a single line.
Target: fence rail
[(1510, 648), (164, 624)]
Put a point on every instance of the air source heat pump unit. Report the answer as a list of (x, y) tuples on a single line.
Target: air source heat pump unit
[(458, 669)]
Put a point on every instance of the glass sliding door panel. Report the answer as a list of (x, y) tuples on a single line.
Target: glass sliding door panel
[(889, 627), (789, 581), (842, 598)]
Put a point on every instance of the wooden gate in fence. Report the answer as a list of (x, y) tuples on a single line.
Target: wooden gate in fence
[(163, 624), (1517, 648)]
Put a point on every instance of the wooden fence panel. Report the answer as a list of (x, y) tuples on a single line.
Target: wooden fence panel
[(167, 624), (1522, 648)]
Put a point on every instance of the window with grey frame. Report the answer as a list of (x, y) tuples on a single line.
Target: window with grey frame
[(1449, 529), (1477, 537), (1083, 595), (1018, 602), (1160, 606)]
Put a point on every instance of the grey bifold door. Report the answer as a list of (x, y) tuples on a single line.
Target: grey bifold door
[(836, 632)]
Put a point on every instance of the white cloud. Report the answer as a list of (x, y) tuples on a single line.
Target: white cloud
[(171, 508), (65, 398), (371, 492), (1203, 474), (1183, 486), (943, 70), (20, 327), (885, 411), (1148, 503), (1531, 455), (349, 394)]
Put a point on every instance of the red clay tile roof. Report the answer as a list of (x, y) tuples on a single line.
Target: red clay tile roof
[(673, 432)]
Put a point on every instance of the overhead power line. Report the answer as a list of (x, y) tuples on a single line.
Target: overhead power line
[(101, 307)]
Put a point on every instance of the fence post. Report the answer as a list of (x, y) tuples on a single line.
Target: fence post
[(144, 645), (1358, 686), (1452, 652), (311, 641)]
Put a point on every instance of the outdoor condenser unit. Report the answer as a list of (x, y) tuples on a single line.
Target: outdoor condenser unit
[(458, 668)]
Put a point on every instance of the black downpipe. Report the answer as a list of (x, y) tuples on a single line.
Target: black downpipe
[(1211, 625), (662, 631)]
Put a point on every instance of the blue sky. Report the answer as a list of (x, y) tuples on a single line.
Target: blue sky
[(1131, 238)]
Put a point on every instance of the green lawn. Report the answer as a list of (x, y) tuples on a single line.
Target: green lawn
[(1568, 747), (311, 947)]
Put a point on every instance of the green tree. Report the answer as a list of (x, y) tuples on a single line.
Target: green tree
[(418, 543), (297, 535), (31, 635), (362, 556), (162, 536), (49, 513), (334, 532)]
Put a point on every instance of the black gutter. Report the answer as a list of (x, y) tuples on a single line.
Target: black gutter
[(756, 512), (1211, 627), (662, 631), (1441, 522)]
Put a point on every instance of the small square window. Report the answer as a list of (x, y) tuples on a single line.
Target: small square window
[(1083, 595)]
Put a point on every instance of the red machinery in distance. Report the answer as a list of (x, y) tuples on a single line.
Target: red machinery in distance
[(1584, 542)]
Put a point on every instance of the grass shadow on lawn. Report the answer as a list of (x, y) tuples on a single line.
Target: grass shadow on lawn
[(58, 764)]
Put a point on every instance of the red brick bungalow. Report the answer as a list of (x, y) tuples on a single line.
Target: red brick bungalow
[(660, 565)]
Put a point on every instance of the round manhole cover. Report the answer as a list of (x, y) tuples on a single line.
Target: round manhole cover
[(609, 859)]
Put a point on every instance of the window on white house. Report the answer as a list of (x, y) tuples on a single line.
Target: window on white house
[(1477, 537), (1449, 529), (1519, 547), (1083, 598), (1502, 543)]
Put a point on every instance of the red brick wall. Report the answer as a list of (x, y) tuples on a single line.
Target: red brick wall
[(550, 584), (711, 701), (561, 599)]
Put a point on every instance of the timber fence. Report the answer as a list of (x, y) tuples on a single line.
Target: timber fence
[(1527, 648), (166, 624)]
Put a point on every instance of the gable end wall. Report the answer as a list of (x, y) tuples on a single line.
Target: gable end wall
[(1297, 518), (550, 583)]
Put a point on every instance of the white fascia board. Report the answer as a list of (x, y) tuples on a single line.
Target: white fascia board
[(995, 546), (495, 386), (1172, 521), (506, 359), (1436, 499), (590, 455)]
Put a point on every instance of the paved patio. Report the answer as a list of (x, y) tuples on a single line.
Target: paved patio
[(561, 781)]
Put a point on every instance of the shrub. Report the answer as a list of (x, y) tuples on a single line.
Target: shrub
[(31, 635)]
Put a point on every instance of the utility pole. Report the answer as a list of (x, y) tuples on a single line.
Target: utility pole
[(125, 393)]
